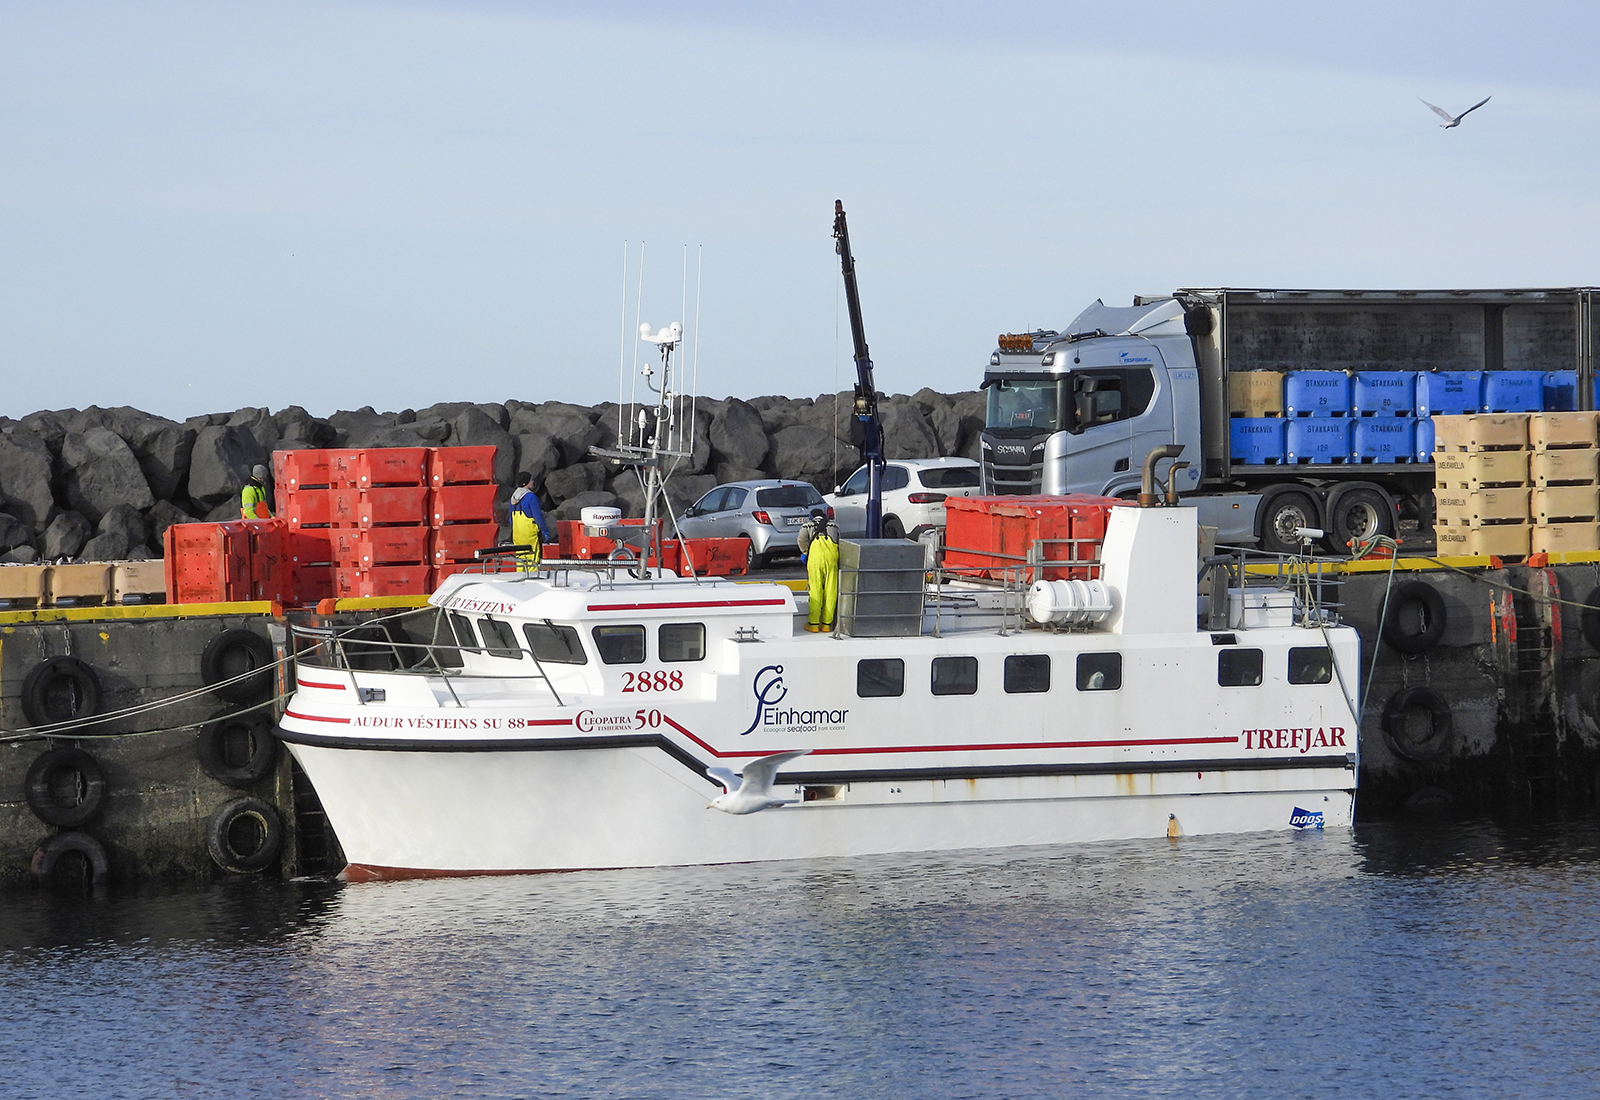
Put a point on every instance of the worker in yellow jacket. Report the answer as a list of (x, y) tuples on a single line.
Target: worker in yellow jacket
[(253, 497), (819, 549)]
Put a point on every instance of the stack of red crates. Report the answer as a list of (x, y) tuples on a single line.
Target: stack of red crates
[(379, 521), (226, 562), (461, 492), (991, 536)]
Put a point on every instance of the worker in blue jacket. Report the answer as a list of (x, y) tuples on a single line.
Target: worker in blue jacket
[(528, 525)]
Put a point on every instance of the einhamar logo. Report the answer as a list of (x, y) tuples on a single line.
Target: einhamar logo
[(1305, 819)]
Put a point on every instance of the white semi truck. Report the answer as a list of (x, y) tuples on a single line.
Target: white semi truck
[(1077, 411)]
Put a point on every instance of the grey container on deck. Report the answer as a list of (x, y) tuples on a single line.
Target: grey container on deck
[(880, 588)]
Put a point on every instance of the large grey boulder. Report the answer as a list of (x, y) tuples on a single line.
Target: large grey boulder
[(220, 465), (804, 453), (537, 455), (358, 423), (395, 435), (569, 427), (26, 472), (65, 536), (14, 532), (165, 514), (48, 427), (778, 412), (297, 425), (906, 432), (108, 546), (101, 472), (163, 449), (20, 555), (572, 481), (473, 427), (727, 471), (126, 521), (259, 423), (738, 436)]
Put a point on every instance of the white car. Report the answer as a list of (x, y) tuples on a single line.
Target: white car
[(914, 491)]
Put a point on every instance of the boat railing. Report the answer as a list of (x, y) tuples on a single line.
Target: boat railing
[(343, 648), (1009, 575), (606, 572), (1316, 584)]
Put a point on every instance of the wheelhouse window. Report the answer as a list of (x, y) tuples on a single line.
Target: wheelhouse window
[(682, 641), (878, 678), (553, 643), (1099, 672), (499, 639), (1026, 673), (1239, 667), (955, 675), (620, 645), (1310, 665), (461, 627)]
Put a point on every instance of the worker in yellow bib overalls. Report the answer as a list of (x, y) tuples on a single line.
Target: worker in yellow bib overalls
[(819, 549), (528, 525)]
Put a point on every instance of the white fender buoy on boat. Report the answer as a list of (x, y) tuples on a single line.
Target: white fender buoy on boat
[(1074, 602)]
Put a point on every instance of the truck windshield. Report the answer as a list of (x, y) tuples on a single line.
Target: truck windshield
[(1028, 404)]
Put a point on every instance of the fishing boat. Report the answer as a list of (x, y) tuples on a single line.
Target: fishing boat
[(610, 714)]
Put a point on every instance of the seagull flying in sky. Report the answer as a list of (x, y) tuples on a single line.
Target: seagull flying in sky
[(1452, 121), (750, 790)]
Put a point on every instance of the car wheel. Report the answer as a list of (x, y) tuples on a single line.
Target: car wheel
[(892, 528), (753, 560)]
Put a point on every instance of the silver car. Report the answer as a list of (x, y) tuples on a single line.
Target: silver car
[(768, 513)]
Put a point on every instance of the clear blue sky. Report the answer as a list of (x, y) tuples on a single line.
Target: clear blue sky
[(204, 206)]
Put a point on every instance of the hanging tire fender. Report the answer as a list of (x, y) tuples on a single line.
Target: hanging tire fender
[(1420, 602), (233, 653), (244, 836), (60, 680), (1397, 726), (47, 859), (65, 787), (216, 738)]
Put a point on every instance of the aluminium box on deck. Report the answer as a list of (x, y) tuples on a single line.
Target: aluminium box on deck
[(881, 585)]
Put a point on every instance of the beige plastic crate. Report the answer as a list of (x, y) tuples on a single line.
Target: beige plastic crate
[(23, 585), (76, 585), (1477, 469), (1480, 432), (1558, 502), (138, 582), (1506, 541), (1467, 508), (1565, 538), (1562, 429), (1255, 393), (1573, 467)]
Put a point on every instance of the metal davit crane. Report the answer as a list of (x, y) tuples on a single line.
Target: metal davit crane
[(867, 425)]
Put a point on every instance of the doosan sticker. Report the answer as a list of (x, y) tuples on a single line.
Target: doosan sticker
[(1305, 819)]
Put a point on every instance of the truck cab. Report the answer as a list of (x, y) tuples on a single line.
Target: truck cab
[(1074, 412)]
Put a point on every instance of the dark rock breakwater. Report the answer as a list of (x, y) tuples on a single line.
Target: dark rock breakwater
[(105, 484)]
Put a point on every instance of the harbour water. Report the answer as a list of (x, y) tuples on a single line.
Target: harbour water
[(1430, 959)]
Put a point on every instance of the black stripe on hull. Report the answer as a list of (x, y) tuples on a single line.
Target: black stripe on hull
[(873, 775)]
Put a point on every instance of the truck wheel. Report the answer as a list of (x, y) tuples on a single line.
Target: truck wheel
[(1279, 519), (1359, 514)]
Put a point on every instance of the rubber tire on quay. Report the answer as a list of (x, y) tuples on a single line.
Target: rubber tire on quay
[(1281, 516), (221, 838), (47, 866), (1429, 614), (45, 779), (893, 528), (1589, 618), (43, 688), (1374, 511), (215, 739), (233, 653), (1397, 724)]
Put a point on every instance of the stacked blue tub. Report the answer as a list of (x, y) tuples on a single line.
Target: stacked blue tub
[(1316, 405)]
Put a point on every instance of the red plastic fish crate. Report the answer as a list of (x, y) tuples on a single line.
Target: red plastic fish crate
[(364, 547), (462, 503), (458, 541), (460, 465), (382, 505), (390, 466), (381, 580), (992, 536), (293, 471), (312, 584), (306, 507), (227, 562)]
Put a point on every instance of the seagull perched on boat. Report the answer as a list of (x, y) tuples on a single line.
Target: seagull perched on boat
[(1452, 121), (749, 790)]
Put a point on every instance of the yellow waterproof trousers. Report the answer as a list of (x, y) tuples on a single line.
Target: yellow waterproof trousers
[(822, 575), (524, 530)]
